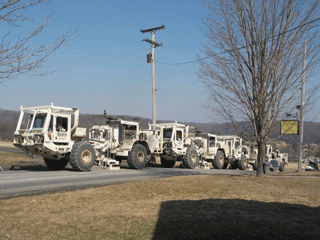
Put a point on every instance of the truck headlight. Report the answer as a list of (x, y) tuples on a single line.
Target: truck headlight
[(18, 139)]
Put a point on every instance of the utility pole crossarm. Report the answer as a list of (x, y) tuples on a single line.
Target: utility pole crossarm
[(153, 29), (152, 42)]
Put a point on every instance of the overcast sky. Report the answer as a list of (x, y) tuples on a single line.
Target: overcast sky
[(105, 66)]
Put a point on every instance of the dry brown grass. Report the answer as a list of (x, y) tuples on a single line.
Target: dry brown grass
[(186, 207), (280, 206)]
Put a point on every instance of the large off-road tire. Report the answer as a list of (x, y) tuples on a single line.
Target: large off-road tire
[(137, 157), (281, 167), (225, 165), (56, 164), (219, 162), (243, 163), (191, 158), (82, 157), (167, 163)]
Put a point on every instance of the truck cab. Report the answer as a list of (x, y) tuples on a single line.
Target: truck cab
[(173, 137), (47, 130)]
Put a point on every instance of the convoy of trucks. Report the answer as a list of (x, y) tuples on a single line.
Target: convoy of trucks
[(53, 133)]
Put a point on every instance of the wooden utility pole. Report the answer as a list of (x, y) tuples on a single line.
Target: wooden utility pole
[(153, 46), (302, 108)]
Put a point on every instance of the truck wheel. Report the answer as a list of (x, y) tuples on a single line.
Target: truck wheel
[(243, 163), (218, 161), (82, 156), (281, 167), (225, 165), (191, 158), (56, 164), (167, 163), (137, 157)]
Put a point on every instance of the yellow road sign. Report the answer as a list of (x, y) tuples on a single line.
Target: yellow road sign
[(289, 127)]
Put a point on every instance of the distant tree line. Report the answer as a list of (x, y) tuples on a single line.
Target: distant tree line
[(9, 119)]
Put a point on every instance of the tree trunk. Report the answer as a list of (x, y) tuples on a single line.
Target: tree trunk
[(261, 157)]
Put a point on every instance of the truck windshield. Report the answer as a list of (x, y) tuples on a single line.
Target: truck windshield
[(167, 133), (38, 121)]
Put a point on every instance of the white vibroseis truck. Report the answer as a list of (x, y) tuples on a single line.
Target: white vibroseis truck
[(176, 144), (49, 132), (273, 160), (119, 139), (223, 151)]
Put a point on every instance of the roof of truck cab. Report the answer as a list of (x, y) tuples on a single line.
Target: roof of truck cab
[(46, 108), (167, 125), (120, 121)]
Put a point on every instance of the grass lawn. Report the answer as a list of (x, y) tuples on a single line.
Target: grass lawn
[(279, 206), (186, 207)]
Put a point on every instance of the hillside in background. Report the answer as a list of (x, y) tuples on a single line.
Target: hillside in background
[(9, 119)]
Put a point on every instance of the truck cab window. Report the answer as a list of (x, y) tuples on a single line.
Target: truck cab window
[(178, 135), (62, 124), (167, 133), (212, 141)]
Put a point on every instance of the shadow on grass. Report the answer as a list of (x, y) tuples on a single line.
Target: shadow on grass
[(236, 219)]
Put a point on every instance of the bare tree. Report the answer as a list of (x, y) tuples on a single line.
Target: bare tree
[(19, 56), (254, 60)]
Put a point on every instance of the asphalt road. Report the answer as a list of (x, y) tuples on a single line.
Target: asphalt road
[(34, 181), (23, 183)]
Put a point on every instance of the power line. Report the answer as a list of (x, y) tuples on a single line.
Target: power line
[(265, 40), (174, 73), (179, 91)]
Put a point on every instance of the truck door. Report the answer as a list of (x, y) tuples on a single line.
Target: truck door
[(229, 148), (61, 129), (212, 145), (179, 138), (154, 141)]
